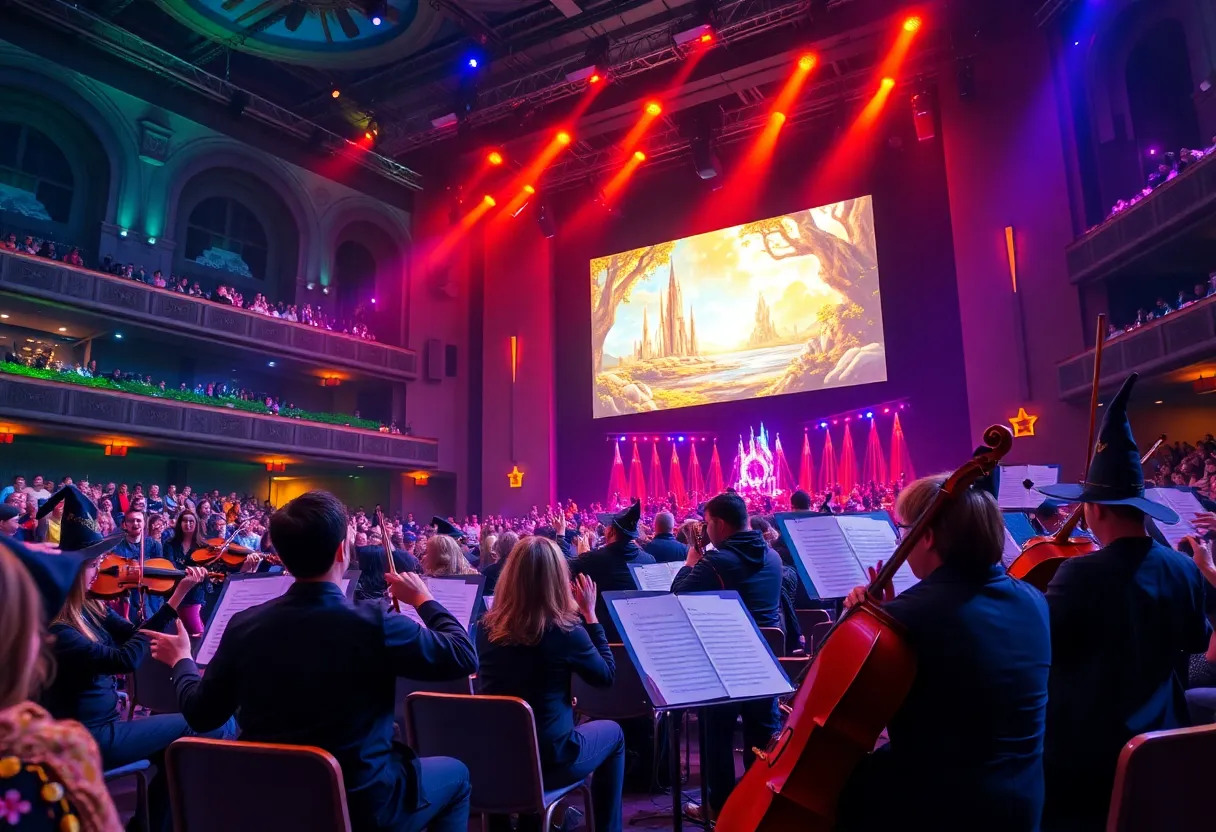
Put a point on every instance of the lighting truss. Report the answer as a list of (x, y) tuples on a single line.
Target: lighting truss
[(139, 52), (1050, 10), (632, 55)]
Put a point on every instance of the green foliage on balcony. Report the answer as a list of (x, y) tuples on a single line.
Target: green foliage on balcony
[(139, 388)]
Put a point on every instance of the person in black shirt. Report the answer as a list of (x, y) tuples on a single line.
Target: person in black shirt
[(529, 644), (740, 560), (311, 668), (664, 547), (608, 566)]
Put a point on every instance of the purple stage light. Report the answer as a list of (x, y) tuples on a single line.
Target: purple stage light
[(622, 439), (823, 424), (681, 438), (869, 414)]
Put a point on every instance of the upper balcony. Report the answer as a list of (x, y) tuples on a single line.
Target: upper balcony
[(137, 303), (1162, 349), (1156, 226)]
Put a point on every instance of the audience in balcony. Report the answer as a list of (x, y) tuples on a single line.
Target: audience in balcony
[(1162, 308), (1171, 166), (227, 295)]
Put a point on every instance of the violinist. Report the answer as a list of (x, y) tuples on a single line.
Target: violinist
[(1123, 621), (188, 537), (966, 745), (133, 527)]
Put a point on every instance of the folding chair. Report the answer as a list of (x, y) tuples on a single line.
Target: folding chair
[(1162, 780)]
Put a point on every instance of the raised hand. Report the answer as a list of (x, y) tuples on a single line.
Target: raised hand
[(585, 594), (409, 588), (170, 648)]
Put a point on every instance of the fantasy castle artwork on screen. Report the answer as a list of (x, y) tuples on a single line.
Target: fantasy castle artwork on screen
[(788, 304)]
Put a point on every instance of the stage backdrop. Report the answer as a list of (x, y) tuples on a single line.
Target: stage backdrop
[(889, 175), (811, 276)]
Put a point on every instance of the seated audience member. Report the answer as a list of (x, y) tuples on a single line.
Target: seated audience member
[(445, 558), (186, 538), (311, 668), (741, 560), (10, 521), (504, 544), (529, 644), (608, 566), (664, 547), (50, 771), (966, 745)]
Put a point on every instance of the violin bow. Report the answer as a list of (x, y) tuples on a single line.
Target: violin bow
[(139, 590), (388, 555), (1065, 531)]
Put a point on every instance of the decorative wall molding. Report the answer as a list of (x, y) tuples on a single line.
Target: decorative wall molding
[(128, 300), (51, 404)]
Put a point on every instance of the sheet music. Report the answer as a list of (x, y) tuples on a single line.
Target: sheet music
[(1185, 503), (872, 540), (456, 595), (820, 543), (655, 577), (239, 596), (488, 600), (1011, 551), (667, 646), (1012, 494), (740, 656)]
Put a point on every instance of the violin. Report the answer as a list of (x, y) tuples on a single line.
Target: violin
[(851, 690), (223, 550), (116, 575)]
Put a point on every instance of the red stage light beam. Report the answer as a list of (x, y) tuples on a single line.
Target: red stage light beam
[(617, 183), (650, 112)]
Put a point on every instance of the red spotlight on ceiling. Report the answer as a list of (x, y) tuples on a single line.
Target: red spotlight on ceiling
[(528, 189), (706, 38), (563, 137), (494, 157), (489, 200), (887, 83), (912, 24), (594, 79), (653, 108), (807, 62), (639, 155), (335, 93), (368, 135), (778, 117)]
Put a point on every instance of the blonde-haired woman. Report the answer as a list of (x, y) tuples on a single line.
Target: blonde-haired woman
[(528, 646), (50, 771), (444, 558)]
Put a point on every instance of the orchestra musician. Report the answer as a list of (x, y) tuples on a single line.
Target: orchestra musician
[(312, 668), (966, 745), (92, 645), (1123, 622), (608, 566)]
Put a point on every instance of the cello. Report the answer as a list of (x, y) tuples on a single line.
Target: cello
[(853, 687)]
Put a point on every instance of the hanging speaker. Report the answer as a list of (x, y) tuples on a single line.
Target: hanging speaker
[(923, 116), (544, 218)]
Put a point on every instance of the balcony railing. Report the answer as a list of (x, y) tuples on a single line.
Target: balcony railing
[(55, 404), (1163, 345), (1169, 211), (135, 302)]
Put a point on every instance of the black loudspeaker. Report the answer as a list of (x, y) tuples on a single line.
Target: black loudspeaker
[(544, 218), (434, 359), (449, 361), (704, 158)]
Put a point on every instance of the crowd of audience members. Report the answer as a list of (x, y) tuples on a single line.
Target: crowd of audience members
[(1171, 166), (1164, 307), (229, 296), (144, 384), (1184, 464)]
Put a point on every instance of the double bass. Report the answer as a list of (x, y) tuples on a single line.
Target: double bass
[(853, 687)]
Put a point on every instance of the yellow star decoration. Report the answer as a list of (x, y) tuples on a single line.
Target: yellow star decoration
[(1023, 423), (515, 477)]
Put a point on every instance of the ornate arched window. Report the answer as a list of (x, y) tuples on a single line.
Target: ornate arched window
[(35, 178), (224, 234)]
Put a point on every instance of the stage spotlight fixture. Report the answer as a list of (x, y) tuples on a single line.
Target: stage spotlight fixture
[(806, 63), (622, 439), (869, 414), (887, 83), (639, 155), (912, 24), (118, 336), (494, 157), (123, 233), (489, 200), (681, 438), (823, 424), (595, 78), (589, 73), (336, 93), (778, 117), (471, 63), (653, 108), (368, 135), (563, 137), (703, 33), (269, 363), (886, 410), (528, 189)]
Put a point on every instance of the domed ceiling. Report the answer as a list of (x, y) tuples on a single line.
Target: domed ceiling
[(322, 33)]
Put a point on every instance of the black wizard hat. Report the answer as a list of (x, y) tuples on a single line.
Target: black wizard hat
[(445, 528), (1115, 476), (992, 481), (53, 574), (625, 521), (78, 530)]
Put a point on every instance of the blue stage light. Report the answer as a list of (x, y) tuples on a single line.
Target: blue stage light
[(472, 62), (622, 439), (376, 21), (823, 424), (869, 414), (681, 438)]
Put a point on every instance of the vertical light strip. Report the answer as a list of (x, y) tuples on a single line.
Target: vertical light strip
[(1013, 257)]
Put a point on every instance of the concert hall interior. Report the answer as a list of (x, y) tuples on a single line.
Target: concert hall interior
[(369, 312)]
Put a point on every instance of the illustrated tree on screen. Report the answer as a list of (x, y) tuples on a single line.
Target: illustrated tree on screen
[(619, 274), (850, 267)]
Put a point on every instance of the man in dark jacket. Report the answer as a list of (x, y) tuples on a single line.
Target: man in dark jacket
[(284, 665), (664, 547), (1123, 621), (608, 565), (740, 560)]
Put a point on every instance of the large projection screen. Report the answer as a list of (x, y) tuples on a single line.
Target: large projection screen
[(785, 305)]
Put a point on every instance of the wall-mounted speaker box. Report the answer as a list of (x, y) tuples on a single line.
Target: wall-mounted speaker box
[(449, 362), (433, 358)]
